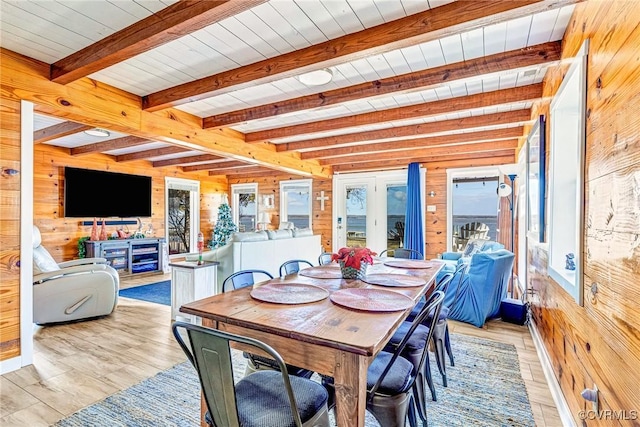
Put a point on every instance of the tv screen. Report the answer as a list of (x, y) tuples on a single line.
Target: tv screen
[(91, 193)]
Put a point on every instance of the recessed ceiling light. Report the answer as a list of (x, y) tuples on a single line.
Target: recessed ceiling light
[(97, 132), (317, 77)]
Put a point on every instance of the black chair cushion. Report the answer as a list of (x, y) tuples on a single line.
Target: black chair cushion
[(262, 399), (398, 380)]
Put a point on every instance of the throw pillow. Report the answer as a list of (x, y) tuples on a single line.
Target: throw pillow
[(249, 236), (279, 234), (473, 246), (301, 232)]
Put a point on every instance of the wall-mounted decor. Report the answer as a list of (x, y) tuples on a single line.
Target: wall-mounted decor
[(536, 183), (566, 177)]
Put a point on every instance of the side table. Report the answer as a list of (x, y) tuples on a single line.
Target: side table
[(191, 282)]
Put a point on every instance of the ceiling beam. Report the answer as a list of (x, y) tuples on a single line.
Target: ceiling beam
[(186, 160), (445, 106), (244, 171), (474, 147), (101, 105), (432, 24), (416, 144), (58, 131), (148, 154), (496, 119), (499, 156), (230, 165), (112, 144), (168, 24), (512, 61)]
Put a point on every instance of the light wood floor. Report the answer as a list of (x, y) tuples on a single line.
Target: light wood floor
[(79, 364)]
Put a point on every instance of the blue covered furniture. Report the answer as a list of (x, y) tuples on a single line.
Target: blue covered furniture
[(453, 259), (475, 292)]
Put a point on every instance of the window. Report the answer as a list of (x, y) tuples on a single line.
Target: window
[(182, 200), (295, 202), (566, 177), (245, 206)]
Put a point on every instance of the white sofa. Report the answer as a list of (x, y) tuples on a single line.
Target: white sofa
[(263, 250)]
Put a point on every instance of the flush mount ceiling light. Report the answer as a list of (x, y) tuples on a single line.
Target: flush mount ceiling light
[(317, 77), (97, 132)]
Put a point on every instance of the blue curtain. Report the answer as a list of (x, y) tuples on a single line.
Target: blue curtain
[(413, 234)]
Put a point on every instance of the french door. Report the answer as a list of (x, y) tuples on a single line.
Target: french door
[(369, 209)]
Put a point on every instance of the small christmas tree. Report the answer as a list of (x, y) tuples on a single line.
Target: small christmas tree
[(224, 227)]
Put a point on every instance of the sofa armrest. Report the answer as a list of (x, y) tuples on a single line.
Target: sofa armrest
[(452, 256), (39, 278), (82, 261)]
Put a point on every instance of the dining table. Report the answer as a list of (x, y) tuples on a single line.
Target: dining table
[(318, 321)]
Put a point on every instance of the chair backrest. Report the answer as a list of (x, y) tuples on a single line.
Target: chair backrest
[(43, 262), (325, 258), (242, 278), (404, 253), (210, 354), (292, 266), (432, 306), (474, 230)]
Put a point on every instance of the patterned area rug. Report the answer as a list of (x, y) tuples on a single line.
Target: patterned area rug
[(160, 292), (485, 389)]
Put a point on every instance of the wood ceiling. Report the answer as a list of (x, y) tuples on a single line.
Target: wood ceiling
[(427, 81)]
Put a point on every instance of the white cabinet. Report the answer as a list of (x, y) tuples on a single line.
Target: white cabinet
[(191, 282)]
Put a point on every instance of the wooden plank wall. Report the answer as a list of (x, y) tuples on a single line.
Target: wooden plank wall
[(270, 185), (600, 342), (9, 230), (60, 235)]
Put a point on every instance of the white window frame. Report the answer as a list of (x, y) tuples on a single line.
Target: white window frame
[(194, 201), (566, 176), (284, 215), (236, 189)]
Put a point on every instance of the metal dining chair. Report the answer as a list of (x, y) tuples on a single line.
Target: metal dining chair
[(404, 253), (278, 399), (292, 266), (325, 258), (392, 379), (241, 279)]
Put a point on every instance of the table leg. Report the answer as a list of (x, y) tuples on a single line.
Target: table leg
[(350, 379)]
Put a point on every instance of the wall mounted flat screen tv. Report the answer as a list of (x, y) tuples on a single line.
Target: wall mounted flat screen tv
[(92, 193)]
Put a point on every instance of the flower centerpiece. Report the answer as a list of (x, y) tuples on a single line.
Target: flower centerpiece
[(353, 261)]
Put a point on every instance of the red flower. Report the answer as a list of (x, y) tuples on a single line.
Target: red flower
[(354, 257)]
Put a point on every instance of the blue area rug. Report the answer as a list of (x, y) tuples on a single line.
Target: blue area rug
[(485, 389), (160, 292)]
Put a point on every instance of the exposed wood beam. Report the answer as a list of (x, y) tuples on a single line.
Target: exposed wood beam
[(186, 160), (433, 24), (476, 147), (445, 106), (168, 24), (500, 157), (245, 171), (112, 144), (516, 116), (512, 61), (58, 131), (218, 165), (147, 154), (472, 162), (417, 143), (101, 105)]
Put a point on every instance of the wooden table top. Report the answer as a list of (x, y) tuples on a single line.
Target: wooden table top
[(323, 322)]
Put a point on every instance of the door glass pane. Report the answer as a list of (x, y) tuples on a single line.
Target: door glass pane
[(356, 205), (179, 217), (475, 210), (396, 209)]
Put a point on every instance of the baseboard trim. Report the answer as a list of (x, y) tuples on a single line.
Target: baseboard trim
[(554, 386)]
